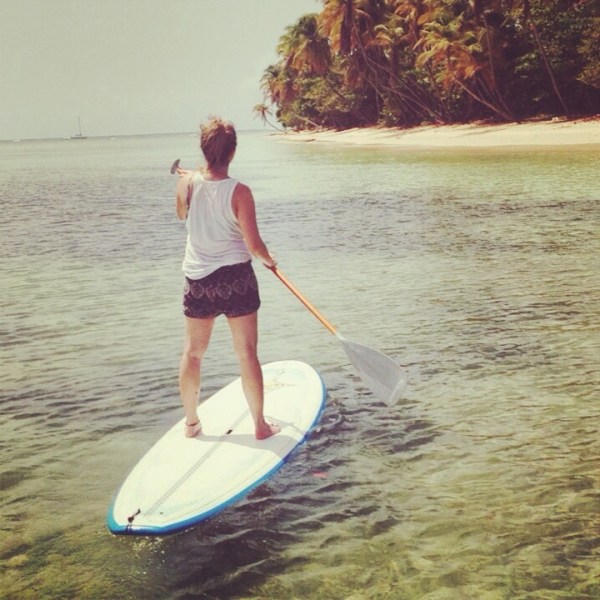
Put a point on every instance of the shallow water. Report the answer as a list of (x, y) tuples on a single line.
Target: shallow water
[(478, 270)]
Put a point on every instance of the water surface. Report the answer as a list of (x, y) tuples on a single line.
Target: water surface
[(476, 269)]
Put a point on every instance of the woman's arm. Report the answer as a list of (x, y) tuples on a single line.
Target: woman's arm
[(245, 212), (182, 191)]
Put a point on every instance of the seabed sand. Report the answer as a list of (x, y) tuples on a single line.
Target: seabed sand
[(555, 132)]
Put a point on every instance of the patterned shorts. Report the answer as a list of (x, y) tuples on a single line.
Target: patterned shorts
[(231, 291)]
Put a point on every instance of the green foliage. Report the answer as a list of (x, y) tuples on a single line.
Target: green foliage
[(589, 49), (405, 62)]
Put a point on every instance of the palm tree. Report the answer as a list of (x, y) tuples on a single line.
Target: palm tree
[(486, 16), (408, 16), (263, 111), (277, 84), (357, 33), (530, 21), (337, 18), (306, 51), (455, 50), (303, 46)]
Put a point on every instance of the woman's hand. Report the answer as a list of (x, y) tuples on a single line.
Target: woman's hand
[(271, 263)]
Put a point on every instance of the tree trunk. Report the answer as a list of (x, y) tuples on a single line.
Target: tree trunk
[(540, 45), (496, 109), (538, 40)]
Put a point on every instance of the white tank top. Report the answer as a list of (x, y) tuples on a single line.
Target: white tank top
[(214, 237)]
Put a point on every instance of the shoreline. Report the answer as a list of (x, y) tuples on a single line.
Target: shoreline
[(554, 132)]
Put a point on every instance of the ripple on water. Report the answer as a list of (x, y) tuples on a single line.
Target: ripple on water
[(476, 271)]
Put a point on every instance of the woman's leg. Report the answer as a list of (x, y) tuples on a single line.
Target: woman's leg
[(244, 332), (197, 337)]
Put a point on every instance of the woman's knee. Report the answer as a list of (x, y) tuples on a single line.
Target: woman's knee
[(194, 353), (245, 350), (197, 338)]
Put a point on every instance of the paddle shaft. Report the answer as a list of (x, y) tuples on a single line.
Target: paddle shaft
[(303, 299)]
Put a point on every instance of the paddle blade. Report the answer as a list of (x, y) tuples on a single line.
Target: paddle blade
[(383, 376), (175, 166)]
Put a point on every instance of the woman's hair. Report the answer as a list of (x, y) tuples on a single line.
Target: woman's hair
[(218, 141)]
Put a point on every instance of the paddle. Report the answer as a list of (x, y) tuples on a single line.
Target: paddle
[(386, 379)]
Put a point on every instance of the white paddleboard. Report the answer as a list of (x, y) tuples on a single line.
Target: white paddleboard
[(181, 481)]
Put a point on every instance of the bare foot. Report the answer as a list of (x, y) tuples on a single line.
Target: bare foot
[(266, 430), (192, 430)]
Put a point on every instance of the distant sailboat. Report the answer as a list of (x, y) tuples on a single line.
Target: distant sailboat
[(79, 136)]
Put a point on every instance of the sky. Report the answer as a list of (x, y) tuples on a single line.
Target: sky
[(135, 66)]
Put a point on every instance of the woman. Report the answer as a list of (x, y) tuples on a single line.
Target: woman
[(222, 238)]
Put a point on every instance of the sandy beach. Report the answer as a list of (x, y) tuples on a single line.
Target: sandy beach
[(555, 132)]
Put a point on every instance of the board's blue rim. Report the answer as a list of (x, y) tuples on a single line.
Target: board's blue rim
[(119, 529)]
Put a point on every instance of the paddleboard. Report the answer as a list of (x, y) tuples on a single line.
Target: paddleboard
[(181, 481)]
